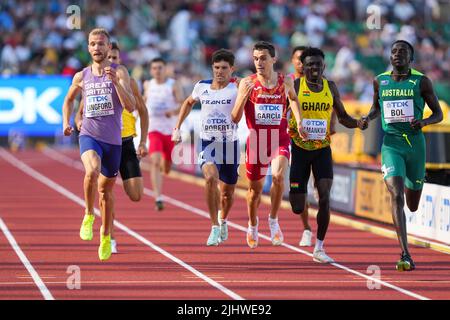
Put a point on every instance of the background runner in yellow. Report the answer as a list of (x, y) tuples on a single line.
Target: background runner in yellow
[(128, 124)]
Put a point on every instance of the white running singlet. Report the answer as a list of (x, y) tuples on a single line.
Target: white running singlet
[(160, 99), (216, 109)]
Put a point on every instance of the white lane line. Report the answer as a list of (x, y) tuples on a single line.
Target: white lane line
[(53, 185), (36, 278), (70, 162), (416, 282)]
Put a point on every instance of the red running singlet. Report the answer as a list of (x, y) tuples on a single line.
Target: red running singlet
[(265, 113)]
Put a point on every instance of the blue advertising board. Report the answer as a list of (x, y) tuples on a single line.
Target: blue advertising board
[(32, 104)]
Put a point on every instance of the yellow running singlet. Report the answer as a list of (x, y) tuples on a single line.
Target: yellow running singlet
[(315, 111), (128, 124)]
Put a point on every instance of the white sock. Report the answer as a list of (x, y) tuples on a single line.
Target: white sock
[(214, 227), (319, 245), (159, 198), (273, 221), (222, 221)]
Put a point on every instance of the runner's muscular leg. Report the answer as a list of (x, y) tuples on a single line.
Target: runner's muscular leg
[(396, 188), (323, 216), (413, 198), (167, 165), (253, 199), (134, 188), (298, 202), (106, 202), (155, 174), (279, 166), (226, 198), (211, 175), (92, 164)]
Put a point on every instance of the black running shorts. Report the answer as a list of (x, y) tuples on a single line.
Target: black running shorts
[(129, 163), (320, 161)]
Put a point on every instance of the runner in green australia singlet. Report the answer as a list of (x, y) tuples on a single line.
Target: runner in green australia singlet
[(403, 151), (400, 97)]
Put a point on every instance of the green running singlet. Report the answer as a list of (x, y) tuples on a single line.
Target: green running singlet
[(403, 150)]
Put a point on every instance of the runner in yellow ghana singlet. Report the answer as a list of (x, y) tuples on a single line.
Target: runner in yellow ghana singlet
[(318, 98)]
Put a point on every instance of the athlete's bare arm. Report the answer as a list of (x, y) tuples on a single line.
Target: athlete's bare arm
[(427, 93), (185, 109), (73, 92), (79, 115), (246, 86), (294, 104), (143, 118), (333, 123), (375, 109), (344, 118), (145, 88), (121, 80)]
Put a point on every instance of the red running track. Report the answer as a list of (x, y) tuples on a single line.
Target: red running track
[(162, 255)]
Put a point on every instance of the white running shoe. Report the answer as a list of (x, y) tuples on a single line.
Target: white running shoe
[(306, 239), (252, 235), (113, 246), (321, 257), (275, 232), (223, 230), (214, 236)]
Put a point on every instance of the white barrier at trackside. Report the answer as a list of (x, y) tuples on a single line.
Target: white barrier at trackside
[(432, 219)]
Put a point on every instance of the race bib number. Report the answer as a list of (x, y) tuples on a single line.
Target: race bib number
[(268, 114), (316, 128), (219, 127), (99, 105), (398, 111)]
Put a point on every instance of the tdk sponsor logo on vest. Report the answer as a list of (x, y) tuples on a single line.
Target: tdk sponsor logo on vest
[(397, 104), (32, 104), (316, 123), (269, 107), (217, 121), (93, 99)]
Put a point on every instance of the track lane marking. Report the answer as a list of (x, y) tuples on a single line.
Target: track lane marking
[(68, 194), (57, 156), (27, 264)]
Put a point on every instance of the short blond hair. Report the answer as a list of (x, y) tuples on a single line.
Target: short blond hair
[(98, 31)]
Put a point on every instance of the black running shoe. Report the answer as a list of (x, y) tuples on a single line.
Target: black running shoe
[(159, 205), (405, 263)]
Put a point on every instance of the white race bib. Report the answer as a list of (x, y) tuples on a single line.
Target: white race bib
[(316, 128), (218, 126), (99, 105), (268, 114), (398, 111)]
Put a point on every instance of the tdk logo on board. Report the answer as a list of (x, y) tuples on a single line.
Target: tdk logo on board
[(27, 105), (32, 104)]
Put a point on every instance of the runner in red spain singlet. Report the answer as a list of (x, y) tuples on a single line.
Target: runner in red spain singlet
[(265, 113), (263, 97)]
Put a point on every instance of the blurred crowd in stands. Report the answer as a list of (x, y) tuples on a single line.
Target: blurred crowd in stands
[(36, 37)]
